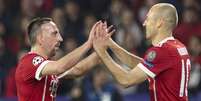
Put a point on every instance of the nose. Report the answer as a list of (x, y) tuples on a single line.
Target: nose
[(60, 37), (144, 24)]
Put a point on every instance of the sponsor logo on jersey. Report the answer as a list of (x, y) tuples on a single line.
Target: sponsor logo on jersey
[(37, 60)]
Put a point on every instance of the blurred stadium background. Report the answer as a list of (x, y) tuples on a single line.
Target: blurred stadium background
[(75, 19)]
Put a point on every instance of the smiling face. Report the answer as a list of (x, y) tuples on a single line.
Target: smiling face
[(50, 38)]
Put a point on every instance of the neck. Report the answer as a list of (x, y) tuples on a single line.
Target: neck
[(160, 36), (38, 50)]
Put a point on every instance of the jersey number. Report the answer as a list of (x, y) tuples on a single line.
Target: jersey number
[(184, 77)]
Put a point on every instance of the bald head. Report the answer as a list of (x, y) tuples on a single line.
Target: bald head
[(167, 12)]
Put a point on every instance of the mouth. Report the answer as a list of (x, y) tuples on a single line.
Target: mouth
[(57, 46)]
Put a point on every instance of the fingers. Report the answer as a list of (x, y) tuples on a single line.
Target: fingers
[(93, 30), (105, 25), (96, 24), (109, 28), (94, 27), (102, 30), (98, 30), (111, 33)]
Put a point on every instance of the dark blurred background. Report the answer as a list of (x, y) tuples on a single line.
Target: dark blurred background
[(75, 19)]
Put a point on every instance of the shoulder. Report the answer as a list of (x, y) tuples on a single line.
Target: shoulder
[(31, 59), (156, 50), (173, 44), (153, 53), (156, 53), (168, 47), (176, 47)]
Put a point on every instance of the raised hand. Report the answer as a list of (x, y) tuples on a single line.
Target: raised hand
[(92, 33), (108, 30), (102, 36)]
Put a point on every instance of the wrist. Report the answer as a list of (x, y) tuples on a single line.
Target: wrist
[(97, 58), (110, 43), (88, 44), (100, 51)]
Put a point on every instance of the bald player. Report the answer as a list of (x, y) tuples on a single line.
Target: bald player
[(166, 63)]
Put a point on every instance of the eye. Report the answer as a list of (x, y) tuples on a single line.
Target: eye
[(54, 33)]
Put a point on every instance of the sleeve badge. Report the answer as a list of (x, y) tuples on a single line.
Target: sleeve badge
[(37, 60), (151, 56)]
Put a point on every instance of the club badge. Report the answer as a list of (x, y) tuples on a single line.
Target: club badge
[(151, 56), (37, 60)]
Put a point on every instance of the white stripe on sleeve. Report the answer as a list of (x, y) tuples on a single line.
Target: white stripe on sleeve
[(147, 71), (39, 69)]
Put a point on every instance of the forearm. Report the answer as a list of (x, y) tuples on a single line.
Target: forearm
[(82, 67), (120, 74), (73, 57), (66, 62), (123, 55)]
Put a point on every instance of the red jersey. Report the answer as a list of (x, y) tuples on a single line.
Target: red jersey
[(168, 67), (30, 85)]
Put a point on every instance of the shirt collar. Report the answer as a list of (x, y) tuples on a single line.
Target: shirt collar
[(164, 41)]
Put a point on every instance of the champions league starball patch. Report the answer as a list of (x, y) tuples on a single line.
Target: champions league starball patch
[(151, 56), (37, 60)]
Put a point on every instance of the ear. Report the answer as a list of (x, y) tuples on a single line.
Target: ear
[(160, 23), (39, 38)]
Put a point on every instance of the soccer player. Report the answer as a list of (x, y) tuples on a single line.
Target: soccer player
[(36, 74), (166, 64)]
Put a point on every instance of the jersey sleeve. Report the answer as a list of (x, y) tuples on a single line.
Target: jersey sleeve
[(34, 65), (155, 61)]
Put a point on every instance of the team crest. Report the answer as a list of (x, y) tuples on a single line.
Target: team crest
[(37, 60), (151, 56)]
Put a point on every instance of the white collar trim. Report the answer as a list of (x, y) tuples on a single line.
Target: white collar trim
[(164, 41)]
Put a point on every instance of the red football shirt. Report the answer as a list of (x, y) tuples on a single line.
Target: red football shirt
[(30, 85), (168, 67)]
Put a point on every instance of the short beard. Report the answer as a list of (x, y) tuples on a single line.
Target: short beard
[(52, 54)]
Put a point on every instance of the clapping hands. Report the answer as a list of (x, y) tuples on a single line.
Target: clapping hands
[(102, 36)]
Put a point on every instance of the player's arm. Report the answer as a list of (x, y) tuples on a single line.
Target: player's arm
[(125, 57), (66, 62), (82, 67), (124, 77), (69, 60)]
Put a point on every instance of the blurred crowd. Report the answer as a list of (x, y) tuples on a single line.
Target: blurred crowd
[(74, 19)]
